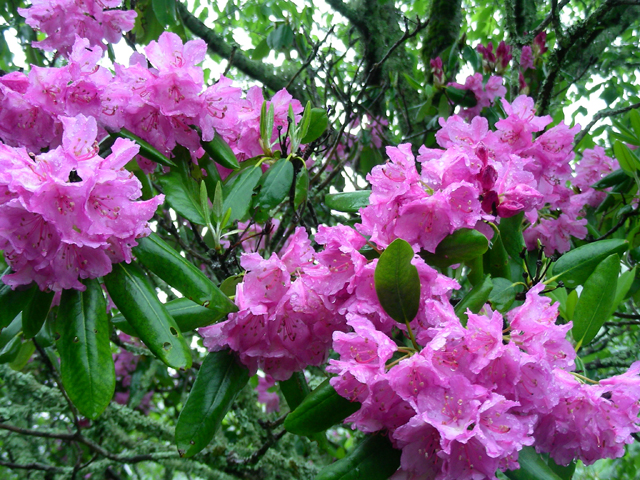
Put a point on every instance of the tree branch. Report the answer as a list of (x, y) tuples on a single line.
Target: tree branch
[(217, 45), (603, 114), (35, 466), (347, 12)]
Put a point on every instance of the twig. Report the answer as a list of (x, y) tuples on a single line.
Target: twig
[(34, 466), (620, 223), (310, 58)]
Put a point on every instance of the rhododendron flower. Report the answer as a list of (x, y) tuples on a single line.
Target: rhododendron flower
[(77, 210)]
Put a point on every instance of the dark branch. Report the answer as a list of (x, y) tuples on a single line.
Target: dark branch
[(258, 70), (603, 114), (34, 466)]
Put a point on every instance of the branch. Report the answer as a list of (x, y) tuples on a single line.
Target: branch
[(603, 114), (35, 466), (580, 36), (546, 21), (625, 315), (258, 454), (217, 45), (311, 56), (620, 223), (347, 12)]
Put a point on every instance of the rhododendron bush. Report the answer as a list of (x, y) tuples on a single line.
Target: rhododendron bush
[(419, 265)]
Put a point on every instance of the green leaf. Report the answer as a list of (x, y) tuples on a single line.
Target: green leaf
[(295, 389), (319, 410), (261, 50), (10, 340), (503, 294), (146, 150), (302, 187), (373, 459), (511, 234), (35, 313), (575, 266), (219, 380), (221, 152), (305, 122), (274, 185), (238, 191), (622, 287), (12, 302), (627, 160), (572, 301), (183, 192), (496, 260), (614, 178), (350, 202), (461, 246), (412, 82), (397, 282), (24, 355), (86, 364), (174, 269), (634, 118), (317, 125), (281, 38), (471, 56), (165, 11), (532, 467), (475, 299), (137, 301), (228, 286), (565, 473), (464, 98), (187, 315), (596, 301)]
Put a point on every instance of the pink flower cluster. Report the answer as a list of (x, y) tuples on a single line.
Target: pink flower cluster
[(466, 403), (62, 20), (69, 214), (486, 94), (481, 176), (291, 304), (160, 104)]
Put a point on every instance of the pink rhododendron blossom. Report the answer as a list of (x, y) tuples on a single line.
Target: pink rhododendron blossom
[(62, 20), (77, 210)]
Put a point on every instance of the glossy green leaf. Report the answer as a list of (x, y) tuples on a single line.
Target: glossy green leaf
[(596, 301), (302, 187), (373, 459), (238, 191), (475, 299), (228, 286), (274, 185), (464, 98), (182, 275), (634, 118), (532, 467), (35, 312), (397, 282), (349, 202), (503, 294), (575, 266), (86, 364), (614, 178), (10, 342), (511, 235), (221, 152), (319, 410), (219, 380), (622, 287), (496, 260), (295, 389), (564, 472), (24, 355), (281, 38), (317, 125), (572, 301), (627, 160), (261, 50), (12, 302), (137, 301), (165, 11), (183, 192), (146, 150), (187, 315), (461, 246)]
